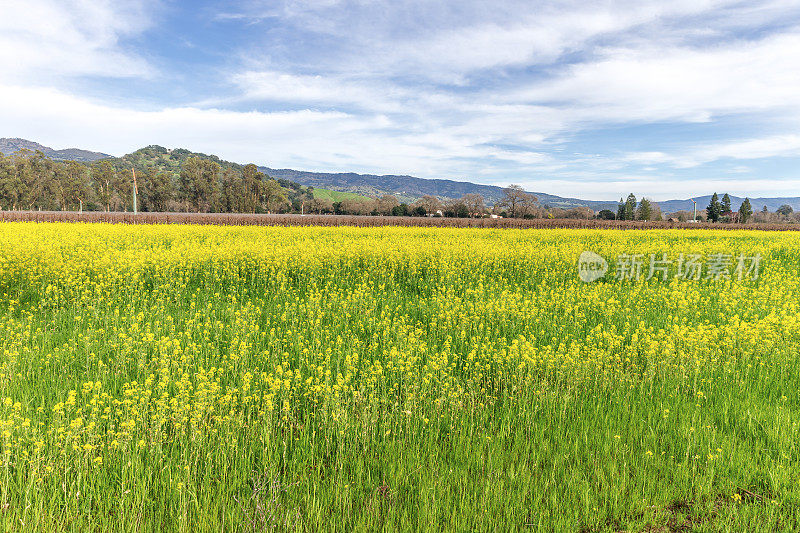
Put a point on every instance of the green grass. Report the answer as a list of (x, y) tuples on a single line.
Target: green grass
[(337, 196), (441, 379)]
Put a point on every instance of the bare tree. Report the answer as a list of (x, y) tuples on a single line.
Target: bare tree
[(517, 201), (321, 205), (353, 206), (474, 203), (584, 213), (430, 204), (385, 204)]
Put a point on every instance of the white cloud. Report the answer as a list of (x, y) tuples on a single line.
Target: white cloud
[(269, 85), (488, 91), (313, 140), (40, 39), (529, 35), (653, 187), (677, 83), (449, 41), (758, 148)]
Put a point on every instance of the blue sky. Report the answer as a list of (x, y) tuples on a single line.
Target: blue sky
[(582, 99)]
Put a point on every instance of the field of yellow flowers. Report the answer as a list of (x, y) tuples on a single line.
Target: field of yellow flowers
[(198, 378)]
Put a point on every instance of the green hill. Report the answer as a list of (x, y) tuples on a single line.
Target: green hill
[(337, 196)]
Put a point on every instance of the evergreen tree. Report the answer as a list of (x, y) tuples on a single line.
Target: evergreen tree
[(745, 211), (714, 209), (726, 205), (645, 210), (630, 207), (621, 210)]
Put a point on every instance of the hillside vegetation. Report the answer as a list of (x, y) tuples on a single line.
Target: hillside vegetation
[(166, 180), (337, 196)]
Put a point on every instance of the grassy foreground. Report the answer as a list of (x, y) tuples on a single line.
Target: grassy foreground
[(337, 196), (193, 378)]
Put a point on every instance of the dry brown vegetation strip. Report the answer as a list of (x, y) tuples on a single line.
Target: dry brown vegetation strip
[(238, 219)]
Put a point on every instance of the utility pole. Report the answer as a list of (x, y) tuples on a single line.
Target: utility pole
[(134, 189)]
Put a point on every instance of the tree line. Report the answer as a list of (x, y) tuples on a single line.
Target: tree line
[(629, 209), (184, 182), (31, 181), (716, 211), (180, 181)]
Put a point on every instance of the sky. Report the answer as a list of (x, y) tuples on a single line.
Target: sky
[(587, 99)]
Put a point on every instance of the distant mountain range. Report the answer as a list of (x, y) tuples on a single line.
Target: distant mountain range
[(406, 188), (9, 146), (670, 206), (409, 188)]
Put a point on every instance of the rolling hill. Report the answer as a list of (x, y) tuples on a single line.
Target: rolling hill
[(9, 146), (339, 186), (670, 206), (409, 188)]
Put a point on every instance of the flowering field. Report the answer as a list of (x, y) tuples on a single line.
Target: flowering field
[(159, 378)]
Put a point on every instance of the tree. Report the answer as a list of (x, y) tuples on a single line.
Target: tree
[(621, 210), (474, 204), (745, 211), (714, 209), (199, 184), (606, 214), (517, 201), (321, 205), (430, 204), (252, 188), (122, 190), (402, 210), (30, 180), (232, 191), (34, 172), (457, 209), (357, 206), (102, 176), (156, 190), (655, 212), (630, 207), (683, 216), (71, 187), (273, 195), (385, 204), (726, 205), (578, 212), (645, 211), (785, 210), (528, 206)]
